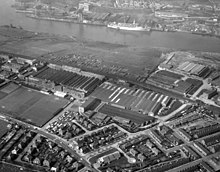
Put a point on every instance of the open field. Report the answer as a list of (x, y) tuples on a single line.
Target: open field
[(19, 101), (3, 128), (31, 105), (2, 94), (44, 109), (6, 167), (9, 88)]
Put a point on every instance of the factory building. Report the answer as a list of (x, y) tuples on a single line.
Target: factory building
[(90, 104), (139, 100), (71, 81)]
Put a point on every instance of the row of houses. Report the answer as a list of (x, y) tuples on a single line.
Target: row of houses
[(190, 152), (201, 148)]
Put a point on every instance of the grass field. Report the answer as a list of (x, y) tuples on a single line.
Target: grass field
[(20, 100), (2, 94), (9, 88), (30, 105), (44, 109), (3, 128), (6, 167)]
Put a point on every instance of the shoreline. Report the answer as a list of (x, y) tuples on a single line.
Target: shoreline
[(29, 15), (63, 20)]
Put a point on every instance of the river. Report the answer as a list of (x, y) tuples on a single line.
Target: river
[(173, 40)]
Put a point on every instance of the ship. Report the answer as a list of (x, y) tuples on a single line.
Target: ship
[(128, 26)]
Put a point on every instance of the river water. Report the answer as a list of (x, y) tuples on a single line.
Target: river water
[(172, 40)]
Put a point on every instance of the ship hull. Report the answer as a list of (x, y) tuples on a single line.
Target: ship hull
[(138, 28)]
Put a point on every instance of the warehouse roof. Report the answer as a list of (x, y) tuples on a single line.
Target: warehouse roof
[(133, 116)]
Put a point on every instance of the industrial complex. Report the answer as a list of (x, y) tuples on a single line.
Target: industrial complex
[(63, 119)]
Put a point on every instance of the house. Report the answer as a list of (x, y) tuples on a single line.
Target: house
[(11, 157), (55, 167), (165, 129), (68, 159), (46, 163), (141, 157), (62, 154), (37, 161), (133, 152), (28, 158), (85, 149), (14, 151), (21, 145), (155, 151), (149, 144), (76, 165), (51, 144), (57, 149)]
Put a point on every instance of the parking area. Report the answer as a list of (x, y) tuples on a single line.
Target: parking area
[(65, 127)]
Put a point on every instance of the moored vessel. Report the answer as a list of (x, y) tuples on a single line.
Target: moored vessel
[(128, 26)]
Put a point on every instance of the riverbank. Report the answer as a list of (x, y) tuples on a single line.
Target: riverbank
[(170, 40), (116, 59), (63, 20), (151, 29)]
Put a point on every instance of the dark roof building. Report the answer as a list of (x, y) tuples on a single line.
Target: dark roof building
[(90, 104), (183, 87), (124, 113)]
